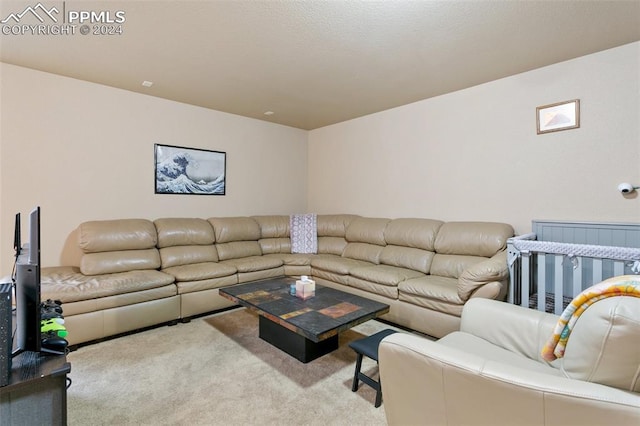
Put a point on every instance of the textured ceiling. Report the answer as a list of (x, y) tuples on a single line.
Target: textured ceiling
[(315, 63)]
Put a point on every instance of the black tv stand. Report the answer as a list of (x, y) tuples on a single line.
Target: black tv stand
[(37, 390)]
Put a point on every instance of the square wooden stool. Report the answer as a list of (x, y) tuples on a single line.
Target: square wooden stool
[(368, 346)]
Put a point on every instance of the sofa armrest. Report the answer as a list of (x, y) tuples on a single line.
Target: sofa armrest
[(494, 269), (511, 327), (425, 382)]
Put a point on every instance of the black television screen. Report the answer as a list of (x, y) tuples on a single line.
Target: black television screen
[(27, 287)]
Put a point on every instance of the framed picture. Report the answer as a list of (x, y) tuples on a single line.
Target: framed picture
[(560, 116), (182, 170)]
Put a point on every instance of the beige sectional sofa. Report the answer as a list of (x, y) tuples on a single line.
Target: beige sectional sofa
[(136, 273)]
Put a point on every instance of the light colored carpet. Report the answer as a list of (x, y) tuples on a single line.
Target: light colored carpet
[(216, 370)]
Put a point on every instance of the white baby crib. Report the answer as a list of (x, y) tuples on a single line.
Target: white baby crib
[(552, 265)]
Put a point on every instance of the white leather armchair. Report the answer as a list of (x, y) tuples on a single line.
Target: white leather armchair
[(491, 371)]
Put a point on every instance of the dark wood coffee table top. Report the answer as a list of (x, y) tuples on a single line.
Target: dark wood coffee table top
[(326, 314)]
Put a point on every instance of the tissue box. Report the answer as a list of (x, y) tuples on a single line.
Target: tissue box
[(305, 289)]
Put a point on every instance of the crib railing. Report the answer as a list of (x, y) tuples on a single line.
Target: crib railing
[(547, 275)]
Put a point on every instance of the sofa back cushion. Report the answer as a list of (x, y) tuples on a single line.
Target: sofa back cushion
[(236, 237), (363, 251), (238, 249), (120, 245), (365, 239), (187, 255), (334, 225), (273, 226), (416, 233), (114, 235), (451, 265), (229, 229), (473, 238), (331, 245), (185, 241), (367, 230), (274, 234), (331, 232), (604, 346), (407, 257), (110, 262), (184, 232)]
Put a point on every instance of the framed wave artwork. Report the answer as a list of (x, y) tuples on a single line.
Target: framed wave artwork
[(182, 170)]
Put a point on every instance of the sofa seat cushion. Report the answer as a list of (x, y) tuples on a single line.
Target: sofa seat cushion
[(383, 290), (320, 274), (67, 284), (432, 292), (292, 259), (478, 346), (208, 284), (337, 264), (200, 271), (254, 263), (385, 274)]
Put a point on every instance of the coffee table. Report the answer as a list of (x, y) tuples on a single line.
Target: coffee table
[(305, 329)]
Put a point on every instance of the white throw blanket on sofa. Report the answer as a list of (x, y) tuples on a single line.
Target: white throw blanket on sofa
[(304, 233)]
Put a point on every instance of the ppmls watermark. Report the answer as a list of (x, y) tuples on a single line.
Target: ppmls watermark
[(56, 19)]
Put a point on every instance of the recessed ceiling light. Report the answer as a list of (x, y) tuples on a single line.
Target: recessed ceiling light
[(269, 113), (147, 83)]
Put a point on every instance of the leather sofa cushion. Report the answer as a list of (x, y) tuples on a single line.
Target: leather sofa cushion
[(229, 229), (331, 245), (273, 226), (407, 257), (186, 255), (275, 245), (336, 264), (119, 261), (295, 259), (333, 225), (238, 249), (363, 251), (371, 287), (183, 232), (473, 238), (471, 344), (185, 287), (449, 265), (200, 271), (319, 275), (254, 263), (385, 274), (484, 272), (367, 230), (604, 346), (68, 284), (417, 233), (430, 287), (114, 235)]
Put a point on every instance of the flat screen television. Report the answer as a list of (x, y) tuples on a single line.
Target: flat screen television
[(27, 287)]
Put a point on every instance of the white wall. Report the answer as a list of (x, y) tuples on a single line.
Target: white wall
[(475, 154), (83, 151)]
